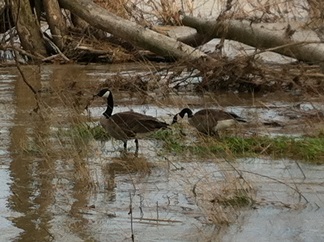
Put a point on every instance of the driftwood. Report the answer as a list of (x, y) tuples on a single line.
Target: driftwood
[(138, 35), (170, 45), (259, 37)]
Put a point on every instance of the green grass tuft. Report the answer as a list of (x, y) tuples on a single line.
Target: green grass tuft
[(172, 139), (238, 200)]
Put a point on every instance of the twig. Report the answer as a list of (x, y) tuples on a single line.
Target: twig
[(131, 214), (175, 167), (49, 58), (301, 170), (160, 220), (141, 206), (195, 186), (18, 65), (239, 172), (47, 231), (157, 212), (56, 49)]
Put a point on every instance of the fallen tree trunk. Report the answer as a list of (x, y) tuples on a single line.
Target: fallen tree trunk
[(183, 34), (139, 36), (258, 36)]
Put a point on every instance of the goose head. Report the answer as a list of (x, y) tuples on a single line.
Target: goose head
[(181, 115), (106, 94)]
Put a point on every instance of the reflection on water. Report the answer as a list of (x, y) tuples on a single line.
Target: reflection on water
[(58, 187)]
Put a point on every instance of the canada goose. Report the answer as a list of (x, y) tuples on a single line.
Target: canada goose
[(126, 125), (209, 121)]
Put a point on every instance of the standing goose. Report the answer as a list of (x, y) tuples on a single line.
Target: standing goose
[(209, 121), (126, 125)]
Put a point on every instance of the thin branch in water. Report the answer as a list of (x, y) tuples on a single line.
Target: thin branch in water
[(301, 170), (48, 232), (131, 214), (157, 212), (175, 167), (141, 206), (17, 62)]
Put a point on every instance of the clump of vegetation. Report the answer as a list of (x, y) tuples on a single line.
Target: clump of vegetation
[(171, 138), (238, 199), (222, 201)]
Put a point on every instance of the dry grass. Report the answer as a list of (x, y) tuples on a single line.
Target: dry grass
[(115, 6)]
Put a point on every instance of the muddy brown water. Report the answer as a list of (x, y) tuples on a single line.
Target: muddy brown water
[(57, 188)]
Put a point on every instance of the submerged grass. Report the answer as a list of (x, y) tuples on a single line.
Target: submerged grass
[(302, 148)]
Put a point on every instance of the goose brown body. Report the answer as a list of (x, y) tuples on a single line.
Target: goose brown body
[(130, 125), (209, 121), (127, 125)]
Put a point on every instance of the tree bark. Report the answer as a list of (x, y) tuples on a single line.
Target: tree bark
[(258, 36), (3, 6), (183, 34), (125, 29), (79, 22), (28, 30), (55, 21)]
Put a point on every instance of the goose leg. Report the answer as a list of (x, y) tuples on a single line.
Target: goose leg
[(125, 146), (216, 135), (136, 143)]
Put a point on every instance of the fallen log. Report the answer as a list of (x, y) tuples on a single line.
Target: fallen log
[(138, 35), (259, 36), (183, 34)]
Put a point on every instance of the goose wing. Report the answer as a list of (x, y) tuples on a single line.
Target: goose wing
[(214, 115), (205, 120), (132, 122), (236, 117)]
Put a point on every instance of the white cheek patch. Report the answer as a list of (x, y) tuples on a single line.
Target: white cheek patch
[(223, 124), (182, 120), (106, 94)]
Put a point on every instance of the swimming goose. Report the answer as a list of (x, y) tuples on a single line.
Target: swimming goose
[(126, 125), (209, 121)]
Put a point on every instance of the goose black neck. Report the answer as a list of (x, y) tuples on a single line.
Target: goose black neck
[(110, 106), (186, 111)]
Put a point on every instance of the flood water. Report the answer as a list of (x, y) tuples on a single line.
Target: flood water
[(57, 187)]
